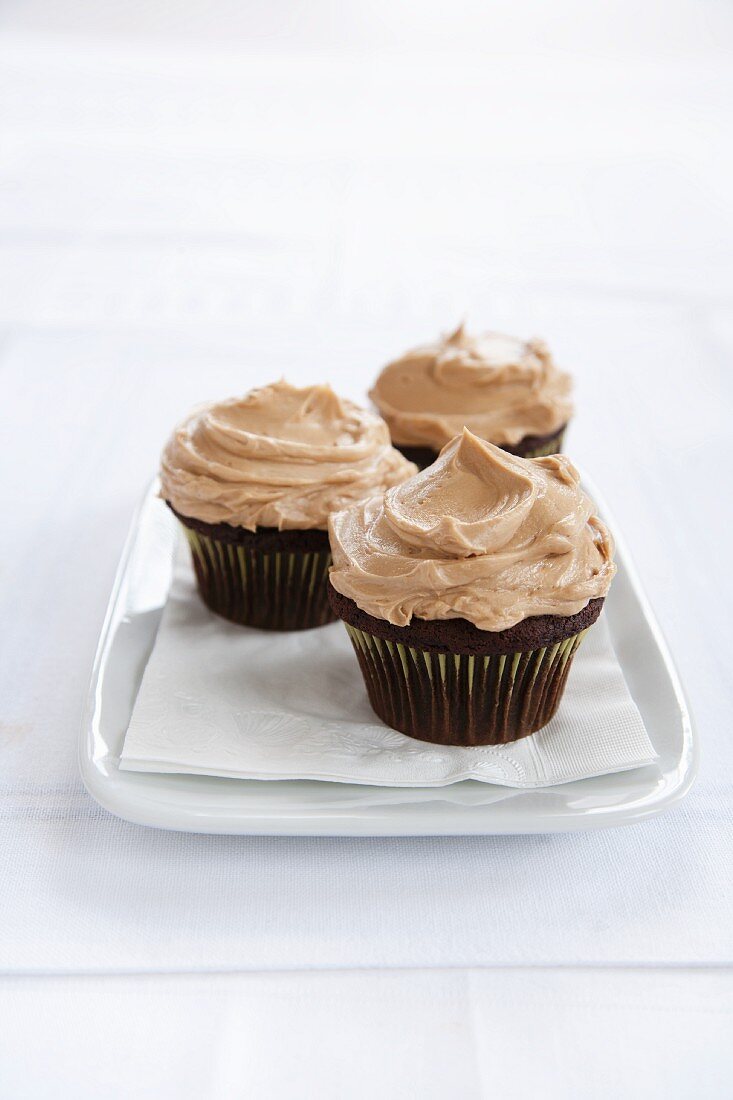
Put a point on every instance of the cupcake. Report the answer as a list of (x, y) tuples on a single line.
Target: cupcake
[(253, 480), (502, 389), (467, 590)]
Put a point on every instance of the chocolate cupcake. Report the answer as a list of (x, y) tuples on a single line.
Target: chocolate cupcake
[(253, 480), (505, 390), (467, 590)]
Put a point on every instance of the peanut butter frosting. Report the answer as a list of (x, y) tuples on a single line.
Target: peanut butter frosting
[(480, 535), (501, 388), (278, 457)]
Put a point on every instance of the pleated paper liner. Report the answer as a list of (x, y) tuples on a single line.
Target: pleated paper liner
[(276, 580), (532, 446), (539, 450), (460, 699)]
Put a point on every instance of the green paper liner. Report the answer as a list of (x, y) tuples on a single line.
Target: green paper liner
[(457, 699), (552, 447), (268, 589)]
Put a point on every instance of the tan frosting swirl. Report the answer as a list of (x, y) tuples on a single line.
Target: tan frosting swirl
[(480, 535), (501, 388), (278, 457)]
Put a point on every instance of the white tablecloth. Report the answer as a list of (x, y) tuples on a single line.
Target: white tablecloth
[(181, 219)]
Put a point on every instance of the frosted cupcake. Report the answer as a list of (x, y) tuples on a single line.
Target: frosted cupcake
[(253, 480), (505, 390), (467, 590)]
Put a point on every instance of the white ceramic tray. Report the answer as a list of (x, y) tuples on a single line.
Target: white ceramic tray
[(292, 807)]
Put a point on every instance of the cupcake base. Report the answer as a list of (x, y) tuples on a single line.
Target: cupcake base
[(532, 446), (450, 683), (269, 579)]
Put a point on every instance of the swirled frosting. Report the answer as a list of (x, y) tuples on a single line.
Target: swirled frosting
[(501, 388), (278, 457), (480, 535)]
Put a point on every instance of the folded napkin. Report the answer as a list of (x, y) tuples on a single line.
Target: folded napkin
[(220, 699)]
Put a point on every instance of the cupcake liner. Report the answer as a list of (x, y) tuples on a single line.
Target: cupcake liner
[(461, 699), (270, 589), (551, 447)]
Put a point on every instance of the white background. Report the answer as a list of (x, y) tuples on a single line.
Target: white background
[(195, 197)]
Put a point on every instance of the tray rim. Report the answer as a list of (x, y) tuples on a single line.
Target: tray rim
[(370, 820)]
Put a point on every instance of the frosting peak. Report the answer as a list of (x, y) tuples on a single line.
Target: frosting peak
[(281, 456), (480, 535), (500, 387), (462, 504)]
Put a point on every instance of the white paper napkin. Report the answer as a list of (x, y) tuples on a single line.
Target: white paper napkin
[(220, 699)]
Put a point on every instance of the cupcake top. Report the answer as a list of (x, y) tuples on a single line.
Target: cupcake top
[(480, 535), (278, 457), (501, 388)]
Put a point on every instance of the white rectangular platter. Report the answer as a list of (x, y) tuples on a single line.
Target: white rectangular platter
[(293, 807)]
